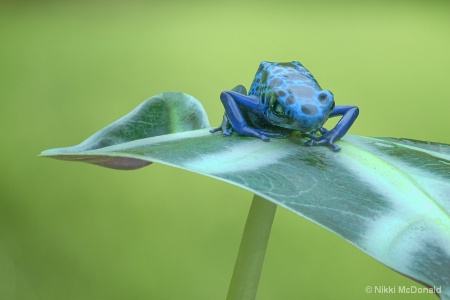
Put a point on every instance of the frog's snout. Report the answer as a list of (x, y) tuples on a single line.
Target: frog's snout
[(314, 118)]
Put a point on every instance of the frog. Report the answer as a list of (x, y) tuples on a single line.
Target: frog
[(284, 98)]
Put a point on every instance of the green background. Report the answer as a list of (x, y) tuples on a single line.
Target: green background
[(75, 231)]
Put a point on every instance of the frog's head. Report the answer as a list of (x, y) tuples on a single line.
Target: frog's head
[(306, 110)]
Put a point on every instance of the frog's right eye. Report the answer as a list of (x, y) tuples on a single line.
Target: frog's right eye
[(325, 96), (276, 107)]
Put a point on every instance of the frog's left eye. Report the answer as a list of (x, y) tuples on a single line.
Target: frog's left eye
[(276, 106)]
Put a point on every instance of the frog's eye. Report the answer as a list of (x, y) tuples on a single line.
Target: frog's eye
[(276, 106), (325, 96)]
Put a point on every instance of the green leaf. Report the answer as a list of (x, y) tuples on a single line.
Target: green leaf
[(162, 114), (388, 197)]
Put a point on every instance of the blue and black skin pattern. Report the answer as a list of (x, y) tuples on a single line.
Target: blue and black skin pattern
[(283, 98)]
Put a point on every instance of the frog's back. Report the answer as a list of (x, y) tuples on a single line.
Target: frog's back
[(281, 76)]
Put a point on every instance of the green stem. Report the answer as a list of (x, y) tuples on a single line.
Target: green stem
[(250, 259)]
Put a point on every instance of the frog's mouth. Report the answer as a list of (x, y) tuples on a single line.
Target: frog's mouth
[(305, 115), (303, 124), (306, 124)]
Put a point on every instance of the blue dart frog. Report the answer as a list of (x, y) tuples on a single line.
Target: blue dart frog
[(284, 98)]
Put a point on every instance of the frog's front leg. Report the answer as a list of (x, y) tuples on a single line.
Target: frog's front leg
[(226, 127), (233, 114), (349, 115)]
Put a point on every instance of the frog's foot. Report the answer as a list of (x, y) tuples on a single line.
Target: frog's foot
[(349, 115), (323, 142), (225, 126), (225, 131), (327, 139), (272, 134), (262, 134), (249, 131), (216, 129)]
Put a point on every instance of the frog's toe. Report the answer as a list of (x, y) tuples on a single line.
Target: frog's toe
[(323, 142), (264, 138), (266, 135), (323, 130), (335, 147), (216, 129), (310, 143), (249, 131), (263, 135), (274, 134), (227, 132), (330, 144)]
